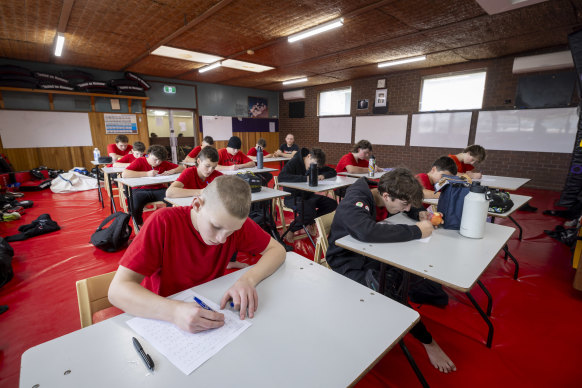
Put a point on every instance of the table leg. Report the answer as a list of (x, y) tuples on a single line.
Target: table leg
[(130, 206), (303, 224), (99, 194), (382, 280), (518, 226), (485, 318), (507, 253), (489, 298), (111, 200), (412, 363)]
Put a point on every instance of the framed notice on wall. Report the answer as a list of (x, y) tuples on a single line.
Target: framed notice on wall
[(120, 123)]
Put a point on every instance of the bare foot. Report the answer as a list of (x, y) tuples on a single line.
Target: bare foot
[(237, 265), (438, 358)]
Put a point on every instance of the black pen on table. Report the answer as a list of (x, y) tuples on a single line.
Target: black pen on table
[(145, 357)]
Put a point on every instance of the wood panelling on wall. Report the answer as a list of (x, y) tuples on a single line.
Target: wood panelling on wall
[(66, 158)]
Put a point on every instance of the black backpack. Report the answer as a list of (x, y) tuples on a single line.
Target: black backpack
[(115, 236), (453, 191)]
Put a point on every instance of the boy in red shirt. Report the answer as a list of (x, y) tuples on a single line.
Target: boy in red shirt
[(194, 179), (181, 247), (230, 158), (191, 157), (356, 162), (137, 152), (443, 165), (152, 165), (466, 160), (120, 148), (263, 144)]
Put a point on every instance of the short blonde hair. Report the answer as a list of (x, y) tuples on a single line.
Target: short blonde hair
[(233, 192)]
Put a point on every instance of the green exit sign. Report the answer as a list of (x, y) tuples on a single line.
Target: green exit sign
[(169, 89)]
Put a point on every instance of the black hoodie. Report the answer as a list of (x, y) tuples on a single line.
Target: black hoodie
[(295, 171), (356, 216)]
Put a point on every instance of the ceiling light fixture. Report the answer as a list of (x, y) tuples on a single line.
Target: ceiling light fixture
[(402, 61), (316, 30), (209, 67), (294, 81), (60, 42)]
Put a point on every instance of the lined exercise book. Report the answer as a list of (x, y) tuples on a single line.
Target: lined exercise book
[(187, 351)]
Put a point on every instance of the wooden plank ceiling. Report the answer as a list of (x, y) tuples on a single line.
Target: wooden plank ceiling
[(119, 35)]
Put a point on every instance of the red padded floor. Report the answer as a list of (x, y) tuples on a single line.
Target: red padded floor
[(535, 318)]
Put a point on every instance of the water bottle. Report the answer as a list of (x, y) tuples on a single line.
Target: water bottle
[(475, 209), (96, 154), (259, 157), (313, 174), (371, 166)]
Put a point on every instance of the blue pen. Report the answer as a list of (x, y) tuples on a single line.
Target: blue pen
[(202, 304)]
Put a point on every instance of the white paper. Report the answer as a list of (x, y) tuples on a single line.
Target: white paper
[(159, 121), (182, 126), (271, 126), (187, 351)]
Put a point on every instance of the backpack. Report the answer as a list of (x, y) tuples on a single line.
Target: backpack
[(453, 191), (253, 180), (500, 201), (6, 253), (115, 236)]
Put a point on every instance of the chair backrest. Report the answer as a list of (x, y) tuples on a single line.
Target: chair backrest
[(323, 227), (92, 296)]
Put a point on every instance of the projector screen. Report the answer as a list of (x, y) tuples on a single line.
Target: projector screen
[(38, 129)]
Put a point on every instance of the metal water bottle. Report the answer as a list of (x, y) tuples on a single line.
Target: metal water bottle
[(259, 157), (96, 154), (313, 174), (475, 207), (371, 166)]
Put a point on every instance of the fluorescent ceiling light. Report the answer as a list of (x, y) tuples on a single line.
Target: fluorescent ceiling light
[(247, 66), (493, 7), (193, 56), (294, 81), (209, 67), (60, 43), (316, 30), (401, 61)]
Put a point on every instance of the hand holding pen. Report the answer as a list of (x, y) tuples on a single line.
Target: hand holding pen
[(193, 318)]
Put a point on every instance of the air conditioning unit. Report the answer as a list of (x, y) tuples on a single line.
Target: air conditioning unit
[(553, 61), (294, 94)]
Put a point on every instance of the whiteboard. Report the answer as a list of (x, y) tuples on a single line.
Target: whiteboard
[(335, 130), (538, 130), (219, 127), (448, 130), (37, 129), (386, 130)]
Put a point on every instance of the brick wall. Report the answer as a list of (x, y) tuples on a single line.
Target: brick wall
[(546, 170)]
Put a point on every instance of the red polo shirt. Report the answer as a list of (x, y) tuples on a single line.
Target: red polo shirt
[(172, 255), (461, 167), (253, 152), (226, 159), (194, 153), (350, 160), (191, 180), (141, 164)]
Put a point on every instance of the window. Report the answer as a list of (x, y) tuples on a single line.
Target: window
[(463, 91), (335, 102)]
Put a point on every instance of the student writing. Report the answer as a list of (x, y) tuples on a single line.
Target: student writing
[(191, 157), (154, 164), (182, 247), (194, 179), (398, 191)]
